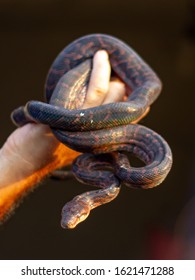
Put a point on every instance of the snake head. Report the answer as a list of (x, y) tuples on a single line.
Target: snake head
[(74, 212)]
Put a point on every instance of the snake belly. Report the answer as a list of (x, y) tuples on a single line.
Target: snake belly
[(102, 133)]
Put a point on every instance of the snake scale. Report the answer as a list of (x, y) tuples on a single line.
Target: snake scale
[(104, 133)]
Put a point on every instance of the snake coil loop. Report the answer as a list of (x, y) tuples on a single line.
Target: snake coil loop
[(102, 133)]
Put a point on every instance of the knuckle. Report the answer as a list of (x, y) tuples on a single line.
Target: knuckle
[(99, 91)]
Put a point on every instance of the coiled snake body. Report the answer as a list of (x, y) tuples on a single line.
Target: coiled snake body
[(102, 133)]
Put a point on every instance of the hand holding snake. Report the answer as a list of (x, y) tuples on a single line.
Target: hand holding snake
[(24, 164), (102, 132)]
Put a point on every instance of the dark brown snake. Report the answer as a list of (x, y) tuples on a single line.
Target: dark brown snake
[(102, 133)]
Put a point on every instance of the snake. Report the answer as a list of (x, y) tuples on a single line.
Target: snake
[(105, 134)]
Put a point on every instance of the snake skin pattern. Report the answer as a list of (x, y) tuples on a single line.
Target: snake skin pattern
[(101, 133)]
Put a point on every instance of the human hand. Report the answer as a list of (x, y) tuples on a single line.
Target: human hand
[(33, 149)]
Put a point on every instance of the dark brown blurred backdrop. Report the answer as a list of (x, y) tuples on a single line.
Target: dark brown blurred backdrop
[(138, 224)]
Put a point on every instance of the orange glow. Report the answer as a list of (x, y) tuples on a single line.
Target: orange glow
[(11, 195)]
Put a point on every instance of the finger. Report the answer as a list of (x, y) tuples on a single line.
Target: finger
[(116, 92), (99, 81)]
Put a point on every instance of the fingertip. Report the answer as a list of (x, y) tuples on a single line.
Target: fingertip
[(101, 55)]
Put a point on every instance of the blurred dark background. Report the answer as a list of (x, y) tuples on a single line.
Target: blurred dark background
[(153, 224)]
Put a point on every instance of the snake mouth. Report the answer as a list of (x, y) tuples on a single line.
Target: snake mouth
[(67, 225), (74, 222)]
